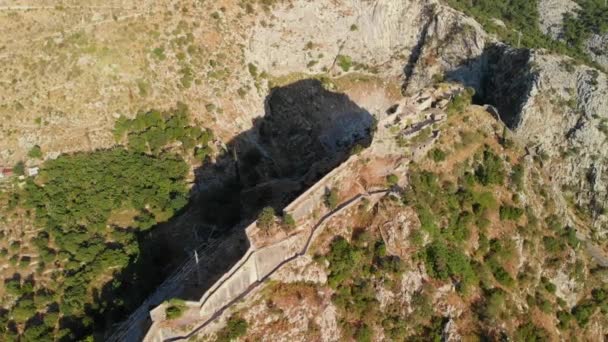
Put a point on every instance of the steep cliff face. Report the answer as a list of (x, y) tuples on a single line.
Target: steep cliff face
[(552, 14), (412, 39), (507, 80), (560, 110)]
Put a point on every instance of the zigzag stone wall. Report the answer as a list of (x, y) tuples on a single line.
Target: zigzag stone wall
[(259, 262)]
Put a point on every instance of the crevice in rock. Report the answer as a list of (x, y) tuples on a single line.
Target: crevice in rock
[(505, 81), (408, 70)]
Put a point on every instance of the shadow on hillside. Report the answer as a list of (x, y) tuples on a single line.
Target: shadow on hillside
[(501, 77), (305, 132)]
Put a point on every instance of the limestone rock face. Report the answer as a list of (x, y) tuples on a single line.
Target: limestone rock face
[(450, 43), (386, 36), (552, 23), (560, 110), (597, 48), (552, 15)]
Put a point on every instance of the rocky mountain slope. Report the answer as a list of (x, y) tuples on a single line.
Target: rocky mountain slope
[(496, 229), (555, 15), (475, 245), (558, 108)]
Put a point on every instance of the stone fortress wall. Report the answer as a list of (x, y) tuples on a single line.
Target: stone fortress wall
[(260, 261)]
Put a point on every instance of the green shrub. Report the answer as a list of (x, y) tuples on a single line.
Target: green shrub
[(564, 318), (159, 53), (553, 245), (19, 168), (529, 332), (437, 155), (444, 261), (358, 148), (23, 310), (491, 171), (344, 62), (253, 70), (266, 218), (35, 152), (583, 312), (235, 327), (332, 198), (364, 334), (502, 276), (548, 285), (392, 180), (175, 308), (508, 212), (288, 222), (517, 176), (461, 101), (495, 305)]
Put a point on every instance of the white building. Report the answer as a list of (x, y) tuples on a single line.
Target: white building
[(32, 171)]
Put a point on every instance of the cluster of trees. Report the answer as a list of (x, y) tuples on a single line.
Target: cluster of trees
[(590, 18), (267, 218), (448, 211), (521, 18), (354, 266), (73, 199), (151, 132)]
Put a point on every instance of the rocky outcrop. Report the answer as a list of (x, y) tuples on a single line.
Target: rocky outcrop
[(597, 48), (552, 15), (552, 23), (411, 37), (506, 81), (449, 43), (560, 110)]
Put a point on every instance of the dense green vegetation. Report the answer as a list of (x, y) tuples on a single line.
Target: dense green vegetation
[(354, 267), (79, 192), (452, 213), (92, 209), (592, 17), (74, 199), (521, 18), (152, 131)]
